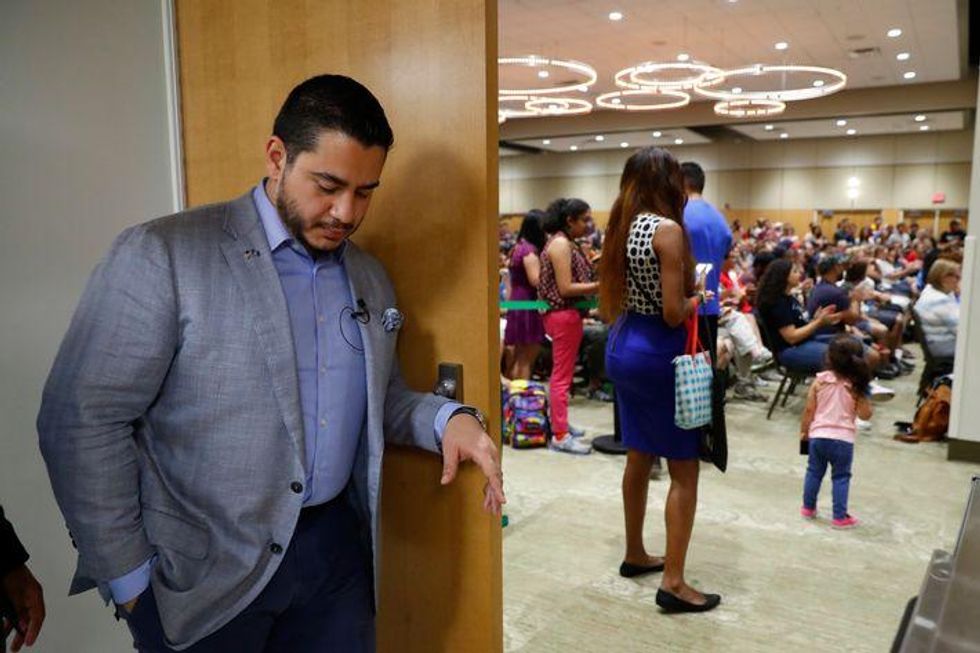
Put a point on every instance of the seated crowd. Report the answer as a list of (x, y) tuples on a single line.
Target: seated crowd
[(782, 300)]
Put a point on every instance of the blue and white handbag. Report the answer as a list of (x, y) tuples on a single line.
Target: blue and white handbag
[(693, 374)]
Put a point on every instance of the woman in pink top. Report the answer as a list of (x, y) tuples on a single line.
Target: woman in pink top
[(836, 397)]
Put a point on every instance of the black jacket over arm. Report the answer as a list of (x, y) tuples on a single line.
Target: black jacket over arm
[(12, 553)]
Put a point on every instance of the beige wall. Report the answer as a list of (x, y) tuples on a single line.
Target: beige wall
[(895, 172)]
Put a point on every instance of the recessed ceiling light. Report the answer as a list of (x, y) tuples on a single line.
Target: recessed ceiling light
[(683, 56), (784, 135), (818, 83), (615, 15), (583, 88), (573, 148), (903, 56), (769, 128), (851, 132), (656, 134), (546, 141), (736, 90), (616, 100), (841, 122), (894, 32), (678, 141), (543, 74), (782, 45), (600, 138), (624, 144), (920, 118), (923, 128), (909, 75)]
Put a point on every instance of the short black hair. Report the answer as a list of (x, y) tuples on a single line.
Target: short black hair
[(559, 212), (693, 176), (331, 103)]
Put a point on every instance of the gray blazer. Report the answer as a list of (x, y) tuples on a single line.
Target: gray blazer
[(171, 423)]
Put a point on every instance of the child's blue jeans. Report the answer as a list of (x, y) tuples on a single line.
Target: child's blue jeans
[(839, 454)]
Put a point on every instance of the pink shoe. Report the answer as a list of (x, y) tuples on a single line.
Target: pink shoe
[(847, 522), (808, 513)]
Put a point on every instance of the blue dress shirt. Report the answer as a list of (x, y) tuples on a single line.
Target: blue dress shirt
[(329, 366)]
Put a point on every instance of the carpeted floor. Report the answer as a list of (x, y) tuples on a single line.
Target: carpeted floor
[(787, 584)]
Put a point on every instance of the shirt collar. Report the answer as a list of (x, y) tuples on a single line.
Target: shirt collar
[(275, 231)]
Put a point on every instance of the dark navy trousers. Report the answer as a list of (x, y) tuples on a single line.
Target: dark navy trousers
[(320, 599)]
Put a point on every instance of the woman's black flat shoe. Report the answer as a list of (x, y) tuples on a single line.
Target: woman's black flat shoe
[(673, 604), (626, 570)]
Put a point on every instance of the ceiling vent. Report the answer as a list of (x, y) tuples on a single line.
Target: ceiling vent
[(864, 53)]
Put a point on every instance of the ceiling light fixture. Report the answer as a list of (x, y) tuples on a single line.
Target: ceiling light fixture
[(623, 100), (678, 141), (680, 75), (543, 74), (615, 15), (894, 33), (909, 75), (784, 135), (657, 134), (519, 107), (782, 45), (769, 128), (624, 144), (920, 118), (558, 106), (835, 82), (923, 128), (841, 122), (851, 131), (749, 108), (586, 71), (818, 83), (574, 148), (903, 56), (683, 56), (600, 138), (737, 90), (546, 141)]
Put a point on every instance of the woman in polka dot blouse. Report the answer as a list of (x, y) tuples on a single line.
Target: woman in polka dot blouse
[(647, 288)]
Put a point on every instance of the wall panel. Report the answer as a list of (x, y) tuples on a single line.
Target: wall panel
[(433, 66)]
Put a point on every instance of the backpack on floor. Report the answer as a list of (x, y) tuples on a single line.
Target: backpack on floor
[(932, 418), (525, 421)]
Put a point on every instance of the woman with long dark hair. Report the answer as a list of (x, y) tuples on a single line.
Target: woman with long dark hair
[(790, 329), (525, 330), (647, 289), (566, 276)]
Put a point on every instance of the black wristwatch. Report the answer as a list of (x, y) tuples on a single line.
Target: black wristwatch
[(469, 410)]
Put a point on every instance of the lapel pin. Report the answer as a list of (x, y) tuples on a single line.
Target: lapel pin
[(252, 253)]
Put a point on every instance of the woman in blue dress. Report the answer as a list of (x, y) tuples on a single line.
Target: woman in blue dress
[(647, 288)]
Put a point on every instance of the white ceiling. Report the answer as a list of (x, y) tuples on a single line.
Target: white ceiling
[(614, 141), (863, 126), (731, 34), (734, 34)]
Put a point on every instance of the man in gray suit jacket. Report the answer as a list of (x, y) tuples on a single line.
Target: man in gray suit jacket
[(215, 418)]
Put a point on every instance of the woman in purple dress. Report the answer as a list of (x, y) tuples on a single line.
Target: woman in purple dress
[(525, 330)]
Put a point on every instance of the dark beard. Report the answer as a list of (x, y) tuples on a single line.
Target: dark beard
[(289, 214)]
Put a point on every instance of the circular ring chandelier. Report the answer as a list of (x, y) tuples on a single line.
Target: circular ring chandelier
[(585, 70), (782, 95), (620, 100), (505, 112), (748, 108), (529, 106), (644, 75), (558, 106)]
